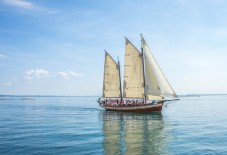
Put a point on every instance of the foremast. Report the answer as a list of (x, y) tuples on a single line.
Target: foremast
[(119, 69)]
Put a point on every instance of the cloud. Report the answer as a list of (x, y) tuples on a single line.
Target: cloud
[(28, 6), (2, 56), (20, 3), (36, 73), (66, 75), (8, 83), (221, 33), (42, 73), (62, 75)]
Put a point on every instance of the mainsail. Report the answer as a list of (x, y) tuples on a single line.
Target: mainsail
[(111, 81), (133, 72), (155, 80)]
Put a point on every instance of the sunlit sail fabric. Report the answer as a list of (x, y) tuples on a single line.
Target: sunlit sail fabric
[(111, 81), (151, 85), (133, 72), (156, 82)]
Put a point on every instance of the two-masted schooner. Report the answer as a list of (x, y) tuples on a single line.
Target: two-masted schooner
[(145, 88)]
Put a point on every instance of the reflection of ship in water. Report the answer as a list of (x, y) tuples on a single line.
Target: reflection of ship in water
[(133, 133)]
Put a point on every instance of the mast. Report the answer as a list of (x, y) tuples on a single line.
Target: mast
[(103, 89), (119, 69), (143, 65)]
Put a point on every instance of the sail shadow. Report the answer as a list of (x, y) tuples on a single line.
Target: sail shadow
[(133, 133)]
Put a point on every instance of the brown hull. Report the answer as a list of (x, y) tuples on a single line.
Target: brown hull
[(140, 108)]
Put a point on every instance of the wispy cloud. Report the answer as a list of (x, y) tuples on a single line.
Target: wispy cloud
[(2, 56), (20, 3), (221, 33), (36, 73), (8, 83), (69, 74), (42, 73), (29, 6)]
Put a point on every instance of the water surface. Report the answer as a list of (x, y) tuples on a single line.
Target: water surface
[(76, 125)]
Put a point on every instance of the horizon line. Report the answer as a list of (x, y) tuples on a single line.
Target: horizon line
[(203, 94)]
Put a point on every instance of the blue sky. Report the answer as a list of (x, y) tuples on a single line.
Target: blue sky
[(55, 47)]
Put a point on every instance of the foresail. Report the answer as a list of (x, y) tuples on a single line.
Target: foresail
[(111, 81), (156, 82), (133, 72), (151, 85)]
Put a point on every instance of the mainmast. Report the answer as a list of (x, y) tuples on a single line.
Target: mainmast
[(119, 69), (103, 89), (143, 65)]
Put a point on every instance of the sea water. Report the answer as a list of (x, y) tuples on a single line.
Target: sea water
[(77, 125)]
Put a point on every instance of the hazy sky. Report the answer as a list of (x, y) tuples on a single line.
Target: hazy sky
[(56, 47)]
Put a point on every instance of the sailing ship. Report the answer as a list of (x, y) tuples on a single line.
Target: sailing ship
[(145, 87)]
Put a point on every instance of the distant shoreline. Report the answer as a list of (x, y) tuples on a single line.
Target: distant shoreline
[(44, 96), (182, 95)]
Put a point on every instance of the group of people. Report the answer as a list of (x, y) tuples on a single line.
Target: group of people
[(119, 102)]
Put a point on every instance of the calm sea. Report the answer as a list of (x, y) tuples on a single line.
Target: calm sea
[(76, 125)]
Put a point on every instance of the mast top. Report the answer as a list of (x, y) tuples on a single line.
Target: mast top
[(141, 35)]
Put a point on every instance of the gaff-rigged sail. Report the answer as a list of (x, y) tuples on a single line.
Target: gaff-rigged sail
[(156, 82), (133, 72), (111, 81)]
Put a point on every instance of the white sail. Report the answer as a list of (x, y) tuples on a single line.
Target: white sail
[(133, 72), (151, 87), (111, 81), (156, 82)]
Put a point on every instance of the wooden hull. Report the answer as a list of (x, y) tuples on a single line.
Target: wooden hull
[(138, 108)]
